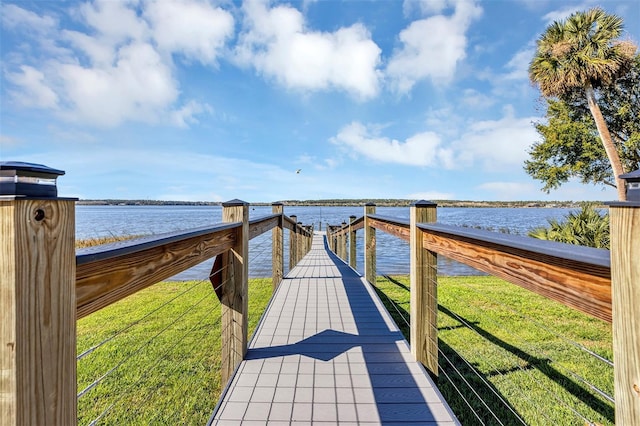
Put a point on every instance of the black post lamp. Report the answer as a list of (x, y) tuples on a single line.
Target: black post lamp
[(18, 178), (633, 185)]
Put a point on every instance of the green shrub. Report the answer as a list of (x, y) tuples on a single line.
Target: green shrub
[(585, 227)]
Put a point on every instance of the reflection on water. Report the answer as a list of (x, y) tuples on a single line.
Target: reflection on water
[(392, 253)]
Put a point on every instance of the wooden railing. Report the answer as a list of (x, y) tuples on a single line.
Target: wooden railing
[(46, 287), (601, 283)]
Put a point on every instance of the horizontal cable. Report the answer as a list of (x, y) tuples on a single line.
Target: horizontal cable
[(542, 386), (525, 344), (152, 366), (462, 396), (140, 348), (122, 330)]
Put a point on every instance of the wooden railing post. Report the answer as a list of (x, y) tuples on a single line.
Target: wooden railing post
[(369, 245), (293, 243), (300, 240), (352, 243), (423, 282), (625, 294), (343, 241), (277, 247), (37, 309), (235, 290)]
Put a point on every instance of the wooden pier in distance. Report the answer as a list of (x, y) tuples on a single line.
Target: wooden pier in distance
[(327, 352)]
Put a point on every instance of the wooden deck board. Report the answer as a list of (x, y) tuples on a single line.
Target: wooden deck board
[(327, 352)]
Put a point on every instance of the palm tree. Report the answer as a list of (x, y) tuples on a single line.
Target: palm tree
[(583, 52)]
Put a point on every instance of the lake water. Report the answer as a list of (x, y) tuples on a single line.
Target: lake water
[(392, 253)]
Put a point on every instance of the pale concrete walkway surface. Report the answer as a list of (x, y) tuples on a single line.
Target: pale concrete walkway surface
[(327, 352)]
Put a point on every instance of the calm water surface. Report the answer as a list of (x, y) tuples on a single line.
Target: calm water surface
[(393, 254)]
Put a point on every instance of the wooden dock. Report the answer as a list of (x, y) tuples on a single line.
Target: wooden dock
[(327, 352)]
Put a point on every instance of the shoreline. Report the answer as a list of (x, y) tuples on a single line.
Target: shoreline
[(348, 203)]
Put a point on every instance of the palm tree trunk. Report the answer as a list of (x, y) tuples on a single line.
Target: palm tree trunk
[(609, 147)]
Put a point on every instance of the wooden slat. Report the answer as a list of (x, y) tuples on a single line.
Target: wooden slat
[(260, 226), (369, 244), (102, 282), (625, 267), (585, 286), (234, 301), (424, 290), (396, 228), (37, 308), (277, 247)]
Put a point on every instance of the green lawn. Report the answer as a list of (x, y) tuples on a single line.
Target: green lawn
[(164, 367), (520, 345)]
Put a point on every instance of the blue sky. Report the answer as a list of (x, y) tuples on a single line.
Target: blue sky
[(215, 100)]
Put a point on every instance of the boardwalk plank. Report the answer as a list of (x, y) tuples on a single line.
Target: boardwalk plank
[(327, 352)]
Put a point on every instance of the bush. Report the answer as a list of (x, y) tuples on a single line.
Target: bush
[(585, 227)]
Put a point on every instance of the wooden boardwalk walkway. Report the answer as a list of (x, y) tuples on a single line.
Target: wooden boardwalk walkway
[(327, 352)]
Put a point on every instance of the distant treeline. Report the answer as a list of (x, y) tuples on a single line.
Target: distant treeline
[(381, 202)]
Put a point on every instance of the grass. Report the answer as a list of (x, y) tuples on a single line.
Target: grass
[(166, 363), (519, 345), (90, 242), (164, 367)]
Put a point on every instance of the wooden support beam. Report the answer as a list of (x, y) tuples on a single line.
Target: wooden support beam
[(369, 244), (625, 292), (293, 243), (352, 243), (235, 290), (424, 289), (277, 247), (38, 312), (343, 241)]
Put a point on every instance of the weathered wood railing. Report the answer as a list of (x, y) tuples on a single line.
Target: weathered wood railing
[(45, 287), (604, 284)]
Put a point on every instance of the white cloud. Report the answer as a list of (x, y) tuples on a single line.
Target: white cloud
[(187, 114), (195, 29), (139, 87), (560, 14), (477, 100), (432, 47), (422, 149), (496, 143), (116, 65), (424, 6), (14, 17), (115, 21), (518, 65), (35, 92), (493, 144), (276, 42)]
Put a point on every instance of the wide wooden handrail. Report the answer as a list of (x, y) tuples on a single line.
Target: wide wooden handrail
[(292, 225), (579, 277), (259, 226), (108, 273)]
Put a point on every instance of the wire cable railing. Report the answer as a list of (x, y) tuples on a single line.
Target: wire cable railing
[(452, 373), (152, 369), (140, 365)]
